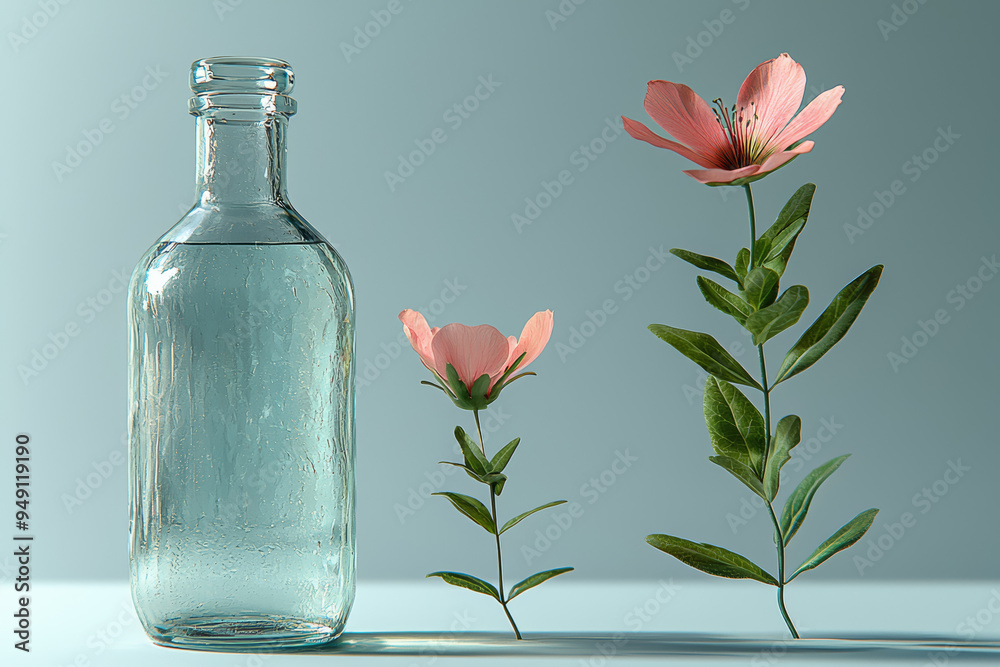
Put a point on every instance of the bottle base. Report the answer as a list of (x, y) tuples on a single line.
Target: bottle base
[(241, 633)]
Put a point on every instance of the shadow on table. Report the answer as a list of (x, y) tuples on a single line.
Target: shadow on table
[(648, 644)]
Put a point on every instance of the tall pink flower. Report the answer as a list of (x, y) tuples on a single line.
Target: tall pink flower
[(759, 134), (473, 352)]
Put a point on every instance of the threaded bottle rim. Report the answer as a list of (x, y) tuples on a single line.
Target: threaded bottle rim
[(241, 88)]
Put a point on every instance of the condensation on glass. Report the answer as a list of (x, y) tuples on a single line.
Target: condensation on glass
[(241, 393)]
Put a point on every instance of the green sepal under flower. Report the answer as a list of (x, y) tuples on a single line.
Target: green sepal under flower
[(479, 395)]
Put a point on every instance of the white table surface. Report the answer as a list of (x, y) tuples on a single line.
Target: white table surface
[(93, 624)]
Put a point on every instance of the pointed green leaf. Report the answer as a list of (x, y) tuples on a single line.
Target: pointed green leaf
[(471, 508), (502, 380), (740, 472), (785, 230), (711, 559), (831, 326), (850, 533), (761, 287), (708, 264), (490, 478), (787, 434), (797, 207), (500, 459), (742, 265), (783, 313), (479, 388), (468, 581), (760, 249), (534, 580), (498, 487), (521, 517), (735, 424), (724, 300), (474, 457), (781, 249), (497, 388), (797, 505), (435, 384), (455, 383), (705, 351)]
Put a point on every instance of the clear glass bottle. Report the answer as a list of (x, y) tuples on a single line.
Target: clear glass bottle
[(241, 394)]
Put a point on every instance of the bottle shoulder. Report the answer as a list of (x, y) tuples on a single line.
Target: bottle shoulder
[(205, 233), (250, 224)]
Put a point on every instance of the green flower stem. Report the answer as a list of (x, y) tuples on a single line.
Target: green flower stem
[(767, 403), (493, 509), (779, 538), (753, 225)]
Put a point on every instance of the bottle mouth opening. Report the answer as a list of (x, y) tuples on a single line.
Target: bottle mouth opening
[(241, 88)]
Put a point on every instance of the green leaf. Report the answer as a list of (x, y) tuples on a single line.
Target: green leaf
[(797, 207), (724, 300), (735, 424), (534, 580), (467, 398), (786, 228), (502, 380), (458, 388), (740, 472), (761, 287), (787, 434), (435, 384), (711, 559), (761, 247), (798, 503), (475, 460), (742, 265), (468, 581), (479, 388), (706, 263), (831, 326), (705, 351), (490, 478), (521, 517), (471, 508), (850, 533), (783, 313), (781, 249), (500, 459)]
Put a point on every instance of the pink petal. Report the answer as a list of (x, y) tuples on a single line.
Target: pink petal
[(643, 133), (778, 159), (770, 164), (722, 175), (419, 334), (811, 118), (473, 351), (686, 117), (534, 337), (774, 89)]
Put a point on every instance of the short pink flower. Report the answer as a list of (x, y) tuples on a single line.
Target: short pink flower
[(475, 351), (740, 145)]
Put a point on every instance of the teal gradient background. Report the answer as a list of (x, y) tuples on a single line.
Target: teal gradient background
[(446, 232)]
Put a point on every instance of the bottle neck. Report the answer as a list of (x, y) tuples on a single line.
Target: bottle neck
[(241, 162)]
